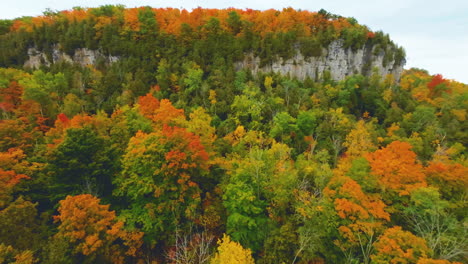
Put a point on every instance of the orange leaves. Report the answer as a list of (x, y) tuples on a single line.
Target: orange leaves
[(167, 113), (435, 85), (13, 168), (131, 19), (450, 178), (435, 261), (351, 202), (8, 180), (170, 20), (396, 168), (91, 226), (370, 34), (63, 119), (10, 97), (187, 151), (148, 105), (346, 208), (160, 112), (399, 246), (77, 15)]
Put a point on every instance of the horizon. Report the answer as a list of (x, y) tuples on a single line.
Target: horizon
[(434, 38)]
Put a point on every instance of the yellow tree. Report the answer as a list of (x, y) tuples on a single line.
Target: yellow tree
[(230, 252), (359, 140)]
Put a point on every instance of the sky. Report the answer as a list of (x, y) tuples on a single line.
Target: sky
[(434, 33)]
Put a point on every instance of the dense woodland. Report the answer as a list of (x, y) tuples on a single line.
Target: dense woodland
[(170, 155)]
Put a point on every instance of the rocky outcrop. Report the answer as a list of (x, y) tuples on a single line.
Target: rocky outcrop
[(81, 56), (336, 59), (340, 62)]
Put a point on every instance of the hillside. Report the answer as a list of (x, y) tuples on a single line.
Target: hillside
[(149, 135)]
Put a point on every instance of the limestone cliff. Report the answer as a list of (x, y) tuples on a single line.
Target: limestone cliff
[(336, 59), (81, 56)]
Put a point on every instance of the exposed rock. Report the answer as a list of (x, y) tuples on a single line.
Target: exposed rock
[(81, 56), (36, 59), (340, 62)]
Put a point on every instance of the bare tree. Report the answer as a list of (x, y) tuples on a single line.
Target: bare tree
[(191, 248)]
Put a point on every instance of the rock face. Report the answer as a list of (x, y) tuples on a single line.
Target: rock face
[(340, 62), (81, 56), (337, 60)]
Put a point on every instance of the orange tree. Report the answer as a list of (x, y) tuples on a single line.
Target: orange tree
[(93, 230)]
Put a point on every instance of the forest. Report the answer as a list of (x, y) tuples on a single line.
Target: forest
[(169, 154)]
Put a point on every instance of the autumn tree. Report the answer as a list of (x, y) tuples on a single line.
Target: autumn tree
[(10, 97), (359, 140), (160, 112), (449, 177), (396, 168), (361, 216), (93, 230), (231, 252), (8, 254), (159, 178), (396, 245)]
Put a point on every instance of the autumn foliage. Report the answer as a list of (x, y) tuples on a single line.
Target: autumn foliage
[(92, 227), (396, 168), (399, 246), (143, 136), (231, 252)]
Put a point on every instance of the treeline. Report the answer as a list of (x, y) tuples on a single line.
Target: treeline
[(166, 157), (203, 35)]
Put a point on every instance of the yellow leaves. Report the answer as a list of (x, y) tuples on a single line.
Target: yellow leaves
[(387, 95), (212, 97), (230, 252), (200, 125), (238, 133), (358, 141), (391, 130), (268, 82), (460, 114)]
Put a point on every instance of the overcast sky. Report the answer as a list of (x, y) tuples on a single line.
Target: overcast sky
[(434, 33)]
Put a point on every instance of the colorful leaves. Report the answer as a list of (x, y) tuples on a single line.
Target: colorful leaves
[(91, 226), (162, 169), (230, 252), (398, 246), (396, 168)]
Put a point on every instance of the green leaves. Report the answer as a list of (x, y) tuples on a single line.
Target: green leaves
[(159, 180)]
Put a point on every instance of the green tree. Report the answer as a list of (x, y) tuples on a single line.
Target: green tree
[(82, 163), (159, 181)]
